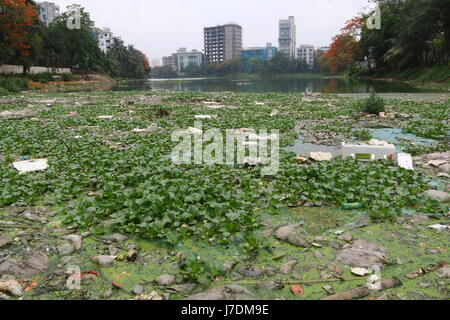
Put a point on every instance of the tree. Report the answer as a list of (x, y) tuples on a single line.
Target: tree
[(74, 48), (16, 19), (342, 52)]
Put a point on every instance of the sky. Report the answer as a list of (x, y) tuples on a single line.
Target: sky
[(159, 27)]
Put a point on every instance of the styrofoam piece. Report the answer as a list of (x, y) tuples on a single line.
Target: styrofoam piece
[(368, 152), (253, 136), (404, 160), (31, 165), (105, 117), (205, 116), (252, 161), (321, 156)]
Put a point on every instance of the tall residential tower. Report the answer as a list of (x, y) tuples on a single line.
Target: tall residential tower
[(222, 43), (288, 37)]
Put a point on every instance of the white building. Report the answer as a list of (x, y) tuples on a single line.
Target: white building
[(48, 12), (307, 54), (288, 37), (171, 61), (105, 39), (186, 59)]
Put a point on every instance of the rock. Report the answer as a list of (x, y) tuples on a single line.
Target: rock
[(384, 296), (138, 289), (325, 275), (227, 267), (251, 271), (287, 267), (12, 287), (271, 285), (132, 255), (165, 280), (32, 264), (104, 261), (76, 241), (445, 169), (4, 241), (425, 285), (329, 289), (3, 297), (417, 218), (438, 195), (113, 250), (185, 288), (360, 271), (65, 249), (346, 237), (117, 237), (271, 272), (287, 234), (334, 269), (363, 253), (283, 232), (229, 292), (444, 272), (107, 293), (151, 296)]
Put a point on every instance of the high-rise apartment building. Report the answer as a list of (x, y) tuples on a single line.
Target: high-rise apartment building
[(288, 37), (105, 38), (48, 11), (222, 43), (306, 52), (171, 61)]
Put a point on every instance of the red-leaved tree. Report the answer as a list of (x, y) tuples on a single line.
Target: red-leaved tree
[(16, 17)]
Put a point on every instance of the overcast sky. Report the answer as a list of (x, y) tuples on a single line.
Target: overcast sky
[(160, 27)]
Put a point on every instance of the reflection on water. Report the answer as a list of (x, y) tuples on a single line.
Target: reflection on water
[(269, 84)]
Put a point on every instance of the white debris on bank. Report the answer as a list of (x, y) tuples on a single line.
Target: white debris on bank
[(321, 156), (439, 227), (31, 165), (252, 161), (205, 116), (151, 129), (370, 151), (405, 161), (105, 117), (275, 113)]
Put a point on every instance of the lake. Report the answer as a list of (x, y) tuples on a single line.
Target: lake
[(281, 84)]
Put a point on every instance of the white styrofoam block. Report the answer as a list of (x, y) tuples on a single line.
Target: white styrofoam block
[(367, 152), (31, 165), (404, 160)]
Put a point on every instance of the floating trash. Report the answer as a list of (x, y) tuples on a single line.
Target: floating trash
[(31, 165)]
